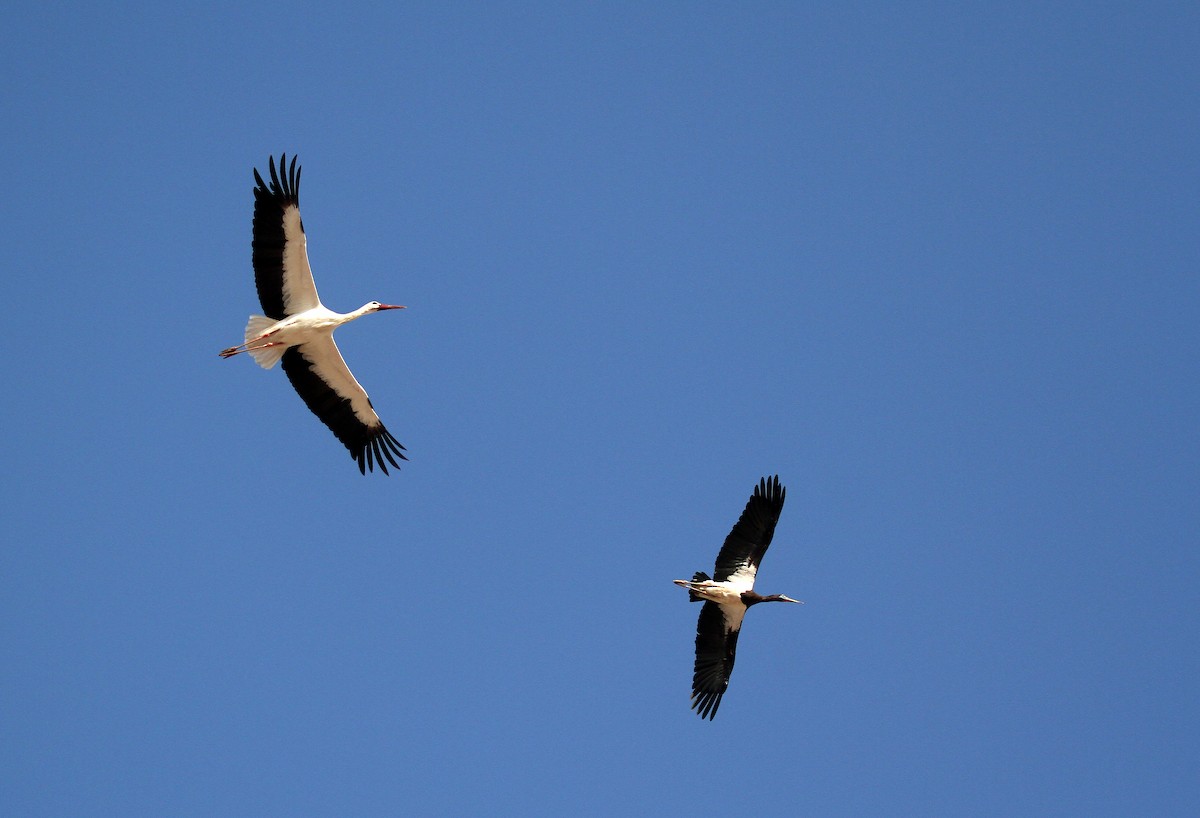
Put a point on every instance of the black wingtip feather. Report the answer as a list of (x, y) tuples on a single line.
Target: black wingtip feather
[(770, 490), (388, 454), (706, 704), (380, 450)]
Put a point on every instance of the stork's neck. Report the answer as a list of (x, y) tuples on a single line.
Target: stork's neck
[(358, 313), (750, 598)]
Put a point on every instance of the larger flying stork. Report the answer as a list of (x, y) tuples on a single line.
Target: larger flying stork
[(298, 329), (729, 593)]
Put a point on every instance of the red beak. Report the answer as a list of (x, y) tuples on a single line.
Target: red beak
[(392, 307)]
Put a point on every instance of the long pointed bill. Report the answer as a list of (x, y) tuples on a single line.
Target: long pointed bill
[(392, 307), (783, 598)]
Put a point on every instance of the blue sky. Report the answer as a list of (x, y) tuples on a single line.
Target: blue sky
[(934, 265)]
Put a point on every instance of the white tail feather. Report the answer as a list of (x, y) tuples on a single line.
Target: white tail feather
[(255, 327)]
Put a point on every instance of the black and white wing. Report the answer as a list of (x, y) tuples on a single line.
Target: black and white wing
[(320, 375), (747, 543), (716, 641), (280, 255)]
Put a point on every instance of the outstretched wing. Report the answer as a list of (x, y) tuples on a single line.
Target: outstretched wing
[(320, 375), (279, 249), (716, 641), (747, 543)]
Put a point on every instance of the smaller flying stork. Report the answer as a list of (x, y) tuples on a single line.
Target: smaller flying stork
[(729, 593), (298, 329)]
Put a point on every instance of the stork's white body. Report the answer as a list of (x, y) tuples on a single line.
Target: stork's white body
[(728, 590), (267, 340)]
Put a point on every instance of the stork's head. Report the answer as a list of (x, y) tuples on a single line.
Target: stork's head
[(375, 306)]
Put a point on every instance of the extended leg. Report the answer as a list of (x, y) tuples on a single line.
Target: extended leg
[(229, 353)]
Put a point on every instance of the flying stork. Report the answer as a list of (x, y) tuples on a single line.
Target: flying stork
[(298, 329), (729, 593)]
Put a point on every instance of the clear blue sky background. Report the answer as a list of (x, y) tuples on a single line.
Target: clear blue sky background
[(935, 265)]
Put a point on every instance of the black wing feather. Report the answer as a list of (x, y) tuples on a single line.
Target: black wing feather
[(748, 541), (715, 646), (366, 443), (269, 239), (699, 576)]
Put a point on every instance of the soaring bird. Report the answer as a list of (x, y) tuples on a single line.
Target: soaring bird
[(298, 329), (729, 592)]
